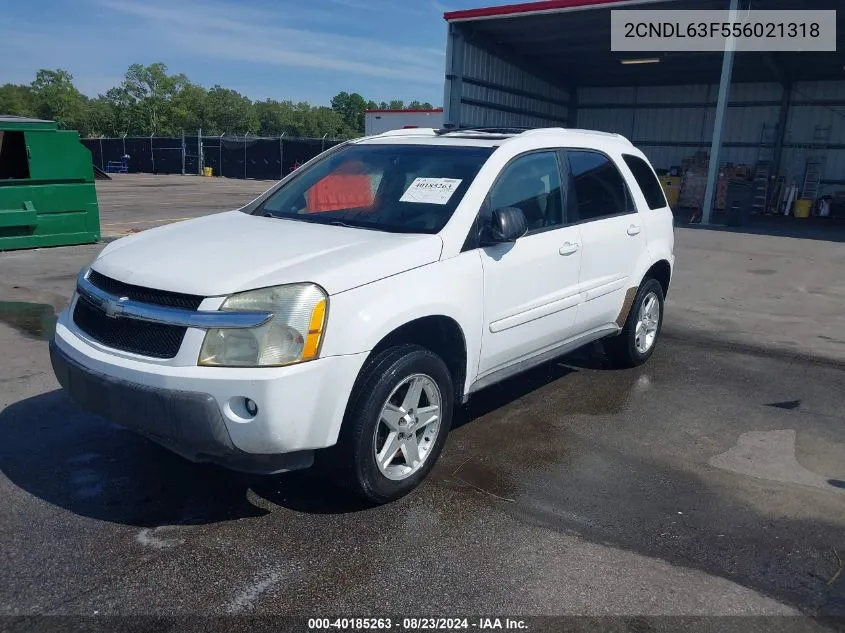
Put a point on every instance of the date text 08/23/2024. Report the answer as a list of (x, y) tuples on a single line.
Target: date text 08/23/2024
[(411, 624)]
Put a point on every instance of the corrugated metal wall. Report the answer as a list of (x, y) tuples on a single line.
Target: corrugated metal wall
[(680, 122), (484, 90), (670, 134), (801, 127)]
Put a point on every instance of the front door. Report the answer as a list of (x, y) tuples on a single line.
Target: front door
[(531, 285), (612, 237)]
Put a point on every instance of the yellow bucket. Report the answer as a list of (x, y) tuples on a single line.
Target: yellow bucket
[(803, 208), (206, 171)]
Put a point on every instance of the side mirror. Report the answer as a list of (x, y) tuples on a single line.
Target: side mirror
[(505, 225)]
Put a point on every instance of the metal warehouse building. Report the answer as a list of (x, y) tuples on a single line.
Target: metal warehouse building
[(549, 64)]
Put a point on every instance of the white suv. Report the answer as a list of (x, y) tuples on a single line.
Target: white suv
[(343, 313)]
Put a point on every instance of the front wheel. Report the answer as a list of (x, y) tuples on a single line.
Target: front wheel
[(396, 424), (636, 343)]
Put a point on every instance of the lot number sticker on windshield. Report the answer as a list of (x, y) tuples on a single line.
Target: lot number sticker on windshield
[(430, 190)]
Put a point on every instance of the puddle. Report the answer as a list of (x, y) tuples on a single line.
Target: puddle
[(483, 479), (37, 320)]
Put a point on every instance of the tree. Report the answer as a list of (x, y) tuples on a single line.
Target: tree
[(54, 97), (351, 107), (125, 112), (321, 120), (150, 90), (229, 112), (416, 105), (99, 119), (150, 100), (190, 109), (17, 100)]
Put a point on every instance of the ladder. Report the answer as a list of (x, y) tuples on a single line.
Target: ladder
[(763, 168), (813, 168)]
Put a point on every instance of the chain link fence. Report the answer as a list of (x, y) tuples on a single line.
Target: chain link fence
[(260, 158)]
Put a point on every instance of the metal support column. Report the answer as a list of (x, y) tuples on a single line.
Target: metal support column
[(454, 77), (783, 116), (200, 156), (719, 125), (183, 152)]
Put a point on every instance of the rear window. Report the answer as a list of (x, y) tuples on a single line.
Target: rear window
[(647, 181), (390, 187)]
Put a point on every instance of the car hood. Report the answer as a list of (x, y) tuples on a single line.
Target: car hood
[(232, 251)]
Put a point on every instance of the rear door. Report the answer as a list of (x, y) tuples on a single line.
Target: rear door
[(531, 285), (658, 220), (612, 236)]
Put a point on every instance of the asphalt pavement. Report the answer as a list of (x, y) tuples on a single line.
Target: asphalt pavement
[(710, 482)]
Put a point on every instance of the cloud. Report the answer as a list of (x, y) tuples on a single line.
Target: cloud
[(439, 6), (246, 34)]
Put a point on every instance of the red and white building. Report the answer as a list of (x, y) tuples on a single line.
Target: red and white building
[(378, 121)]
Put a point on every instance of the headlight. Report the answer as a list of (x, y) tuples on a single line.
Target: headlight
[(293, 334)]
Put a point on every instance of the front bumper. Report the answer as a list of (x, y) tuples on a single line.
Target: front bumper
[(189, 409), (186, 422)]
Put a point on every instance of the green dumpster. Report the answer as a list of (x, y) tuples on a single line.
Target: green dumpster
[(47, 191)]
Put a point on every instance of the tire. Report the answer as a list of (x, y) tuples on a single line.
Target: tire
[(354, 462), (623, 350)]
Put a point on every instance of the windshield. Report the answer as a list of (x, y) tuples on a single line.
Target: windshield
[(399, 188)]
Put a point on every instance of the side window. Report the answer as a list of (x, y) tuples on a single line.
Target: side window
[(597, 188), (647, 181), (531, 183)]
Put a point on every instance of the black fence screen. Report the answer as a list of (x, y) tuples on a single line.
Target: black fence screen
[(230, 157)]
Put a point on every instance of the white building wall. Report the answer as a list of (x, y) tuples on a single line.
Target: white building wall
[(384, 121)]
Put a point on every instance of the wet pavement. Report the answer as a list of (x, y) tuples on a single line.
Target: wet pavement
[(678, 488), (710, 482)]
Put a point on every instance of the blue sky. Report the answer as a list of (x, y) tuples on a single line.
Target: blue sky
[(304, 50)]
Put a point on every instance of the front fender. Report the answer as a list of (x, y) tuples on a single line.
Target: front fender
[(360, 318)]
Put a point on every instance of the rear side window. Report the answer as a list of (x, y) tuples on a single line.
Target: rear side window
[(600, 190), (647, 181)]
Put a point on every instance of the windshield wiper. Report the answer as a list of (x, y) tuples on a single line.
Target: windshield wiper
[(313, 220)]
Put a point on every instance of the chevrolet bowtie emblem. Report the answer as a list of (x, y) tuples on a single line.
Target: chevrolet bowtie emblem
[(114, 309)]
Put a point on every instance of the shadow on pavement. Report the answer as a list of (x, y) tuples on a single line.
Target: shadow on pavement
[(823, 229), (93, 468)]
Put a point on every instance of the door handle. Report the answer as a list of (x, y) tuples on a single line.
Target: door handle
[(634, 230), (568, 248)]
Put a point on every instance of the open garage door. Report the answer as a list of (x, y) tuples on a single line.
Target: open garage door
[(547, 64)]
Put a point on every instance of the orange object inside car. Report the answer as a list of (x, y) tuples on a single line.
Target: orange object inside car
[(346, 188)]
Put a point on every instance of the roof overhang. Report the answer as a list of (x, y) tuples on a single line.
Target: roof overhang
[(404, 111), (567, 42)]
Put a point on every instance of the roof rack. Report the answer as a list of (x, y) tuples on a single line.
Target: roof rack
[(483, 130)]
